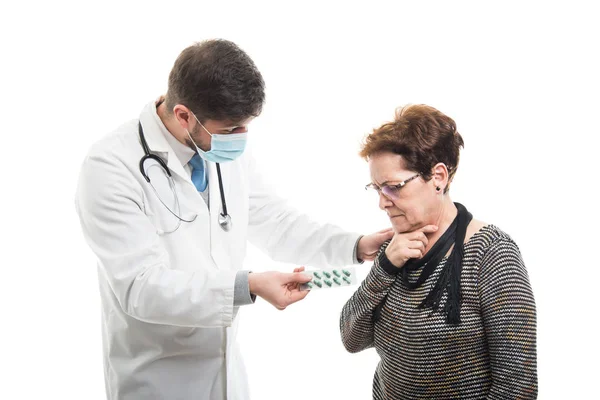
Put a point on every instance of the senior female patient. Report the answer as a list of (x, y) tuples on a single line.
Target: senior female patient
[(447, 304)]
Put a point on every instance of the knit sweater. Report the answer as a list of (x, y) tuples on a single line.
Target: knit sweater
[(490, 355)]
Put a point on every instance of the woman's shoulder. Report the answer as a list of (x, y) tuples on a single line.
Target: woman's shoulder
[(474, 227), (486, 234), (492, 247)]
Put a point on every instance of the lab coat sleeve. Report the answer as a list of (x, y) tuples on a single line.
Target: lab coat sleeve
[(110, 205), (287, 235)]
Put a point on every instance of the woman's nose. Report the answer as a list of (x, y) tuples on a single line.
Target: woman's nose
[(384, 202)]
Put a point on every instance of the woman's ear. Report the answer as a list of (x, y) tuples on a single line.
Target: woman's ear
[(440, 177)]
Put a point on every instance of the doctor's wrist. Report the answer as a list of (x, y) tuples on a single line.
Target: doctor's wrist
[(356, 257), (241, 290), (254, 283)]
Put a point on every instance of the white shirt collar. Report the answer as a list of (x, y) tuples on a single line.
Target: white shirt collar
[(183, 153)]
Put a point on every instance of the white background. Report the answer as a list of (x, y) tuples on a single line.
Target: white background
[(520, 79)]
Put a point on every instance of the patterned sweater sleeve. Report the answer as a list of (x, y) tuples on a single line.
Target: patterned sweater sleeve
[(509, 318), (356, 321)]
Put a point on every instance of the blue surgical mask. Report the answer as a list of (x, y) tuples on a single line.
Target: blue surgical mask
[(223, 148)]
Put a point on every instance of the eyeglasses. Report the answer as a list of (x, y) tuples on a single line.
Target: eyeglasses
[(390, 191)]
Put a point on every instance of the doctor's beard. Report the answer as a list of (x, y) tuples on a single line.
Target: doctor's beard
[(196, 136)]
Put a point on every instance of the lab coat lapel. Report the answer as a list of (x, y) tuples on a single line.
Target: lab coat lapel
[(218, 236), (175, 165), (155, 136)]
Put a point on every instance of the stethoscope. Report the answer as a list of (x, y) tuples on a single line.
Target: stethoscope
[(224, 217)]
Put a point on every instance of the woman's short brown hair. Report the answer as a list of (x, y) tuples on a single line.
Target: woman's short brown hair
[(422, 135)]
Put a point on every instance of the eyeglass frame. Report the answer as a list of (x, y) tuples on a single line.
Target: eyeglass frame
[(394, 188)]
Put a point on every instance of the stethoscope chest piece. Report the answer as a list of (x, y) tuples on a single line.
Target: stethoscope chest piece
[(225, 222)]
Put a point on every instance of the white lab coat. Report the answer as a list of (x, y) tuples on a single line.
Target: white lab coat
[(168, 321)]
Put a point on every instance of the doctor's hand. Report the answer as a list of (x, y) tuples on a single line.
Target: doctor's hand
[(296, 285), (278, 288), (369, 245)]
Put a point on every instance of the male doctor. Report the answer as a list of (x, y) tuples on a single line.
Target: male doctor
[(167, 203)]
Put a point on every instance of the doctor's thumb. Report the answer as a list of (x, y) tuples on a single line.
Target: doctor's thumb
[(386, 235), (298, 277)]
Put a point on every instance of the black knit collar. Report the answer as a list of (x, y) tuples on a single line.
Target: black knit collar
[(449, 279)]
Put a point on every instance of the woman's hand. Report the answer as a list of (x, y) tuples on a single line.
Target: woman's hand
[(407, 245)]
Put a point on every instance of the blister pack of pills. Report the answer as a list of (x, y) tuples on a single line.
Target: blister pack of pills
[(330, 278)]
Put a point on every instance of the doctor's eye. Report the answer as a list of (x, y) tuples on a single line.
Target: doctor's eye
[(238, 129)]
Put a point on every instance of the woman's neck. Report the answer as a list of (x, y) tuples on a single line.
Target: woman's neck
[(446, 214)]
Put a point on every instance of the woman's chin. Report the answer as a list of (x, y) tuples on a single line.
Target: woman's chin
[(399, 225)]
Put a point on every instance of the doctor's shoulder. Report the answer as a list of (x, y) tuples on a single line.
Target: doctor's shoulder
[(121, 144), (117, 142), (116, 153)]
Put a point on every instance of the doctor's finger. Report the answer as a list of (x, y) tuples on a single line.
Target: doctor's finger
[(298, 295), (387, 234), (370, 257), (299, 269)]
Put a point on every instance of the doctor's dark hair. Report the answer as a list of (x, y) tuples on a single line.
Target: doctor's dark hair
[(423, 136), (216, 80)]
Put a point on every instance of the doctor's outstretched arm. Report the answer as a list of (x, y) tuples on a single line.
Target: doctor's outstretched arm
[(288, 235), (110, 205)]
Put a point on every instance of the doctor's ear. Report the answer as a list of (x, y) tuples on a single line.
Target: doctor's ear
[(440, 177), (183, 115)]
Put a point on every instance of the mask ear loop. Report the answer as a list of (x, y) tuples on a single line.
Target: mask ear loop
[(198, 149), (203, 127)]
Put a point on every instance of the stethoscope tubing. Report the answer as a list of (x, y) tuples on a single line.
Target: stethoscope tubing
[(224, 217)]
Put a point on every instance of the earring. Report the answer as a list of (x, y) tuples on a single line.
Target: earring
[(438, 188)]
